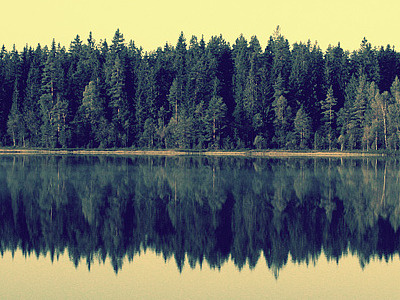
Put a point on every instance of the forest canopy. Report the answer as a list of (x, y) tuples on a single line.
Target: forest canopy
[(200, 95)]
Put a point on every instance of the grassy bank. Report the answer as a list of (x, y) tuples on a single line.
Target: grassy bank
[(172, 152)]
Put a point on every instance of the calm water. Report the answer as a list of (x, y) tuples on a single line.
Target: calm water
[(198, 228)]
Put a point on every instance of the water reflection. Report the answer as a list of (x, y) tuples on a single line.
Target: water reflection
[(204, 209)]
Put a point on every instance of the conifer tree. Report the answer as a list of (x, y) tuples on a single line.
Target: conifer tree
[(327, 108), (357, 113), (283, 114), (15, 124), (336, 72), (216, 114), (31, 108), (394, 115), (146, 95), (278, 46), (240, 55), (121, 115), (302, 127), (52, 88), (365, 62)]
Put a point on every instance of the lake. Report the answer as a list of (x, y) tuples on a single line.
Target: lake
[(101, 227)]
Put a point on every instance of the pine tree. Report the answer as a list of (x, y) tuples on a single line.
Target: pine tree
[(146, 95), (149, 133), (299, 78), (378, 114), (283, 114), (180, 77), (216, 114), (52, 88), (365, 62), (15, 124), (240, 55), (302, 127), (389, 67), (31, 107), (394, 115), (121, 115), (278, 46), (337, 72), (327, 108), (357, 113), (59, 122), (173, 99), (118, 43), (92, 127), (251, 101)]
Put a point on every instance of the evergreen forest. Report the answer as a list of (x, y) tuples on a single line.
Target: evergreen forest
[(200, 95)]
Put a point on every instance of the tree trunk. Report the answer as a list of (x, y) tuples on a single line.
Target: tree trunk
[(214, 131), (385, 129), (176, 111)]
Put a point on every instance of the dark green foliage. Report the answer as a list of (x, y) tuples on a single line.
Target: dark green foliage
[(116, 95)]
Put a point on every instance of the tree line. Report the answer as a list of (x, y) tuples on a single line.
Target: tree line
[(200, 211), (200, 95)]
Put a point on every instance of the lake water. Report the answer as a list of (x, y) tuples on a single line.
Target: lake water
[(88, 227)]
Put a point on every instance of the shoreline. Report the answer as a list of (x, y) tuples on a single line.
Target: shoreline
[(242, 153)]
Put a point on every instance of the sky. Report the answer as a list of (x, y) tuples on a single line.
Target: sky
[(151, 24)]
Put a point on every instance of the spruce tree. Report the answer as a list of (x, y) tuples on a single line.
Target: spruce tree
[(15, 124), (283, 114), (394, 115), (52, 88), (216, 114), (302, 127), (328, 112), (121, 117)]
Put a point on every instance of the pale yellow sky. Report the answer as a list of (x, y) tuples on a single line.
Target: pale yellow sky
[(153, 23)]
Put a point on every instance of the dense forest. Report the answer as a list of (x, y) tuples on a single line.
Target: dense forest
[(200, 210), (200, 95)]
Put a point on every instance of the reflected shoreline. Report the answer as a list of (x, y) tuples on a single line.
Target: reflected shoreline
[(245, 153), (206, 209)]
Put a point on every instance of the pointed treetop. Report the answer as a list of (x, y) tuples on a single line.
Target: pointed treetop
[(53, 45), (193, 42), (181, 44), (395, 90), (118, 41), (241, 40), (90, 40), (76, 45), (254, 45), (277, 33), (202, 43)]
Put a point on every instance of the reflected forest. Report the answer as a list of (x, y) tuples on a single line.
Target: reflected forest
[(200, 210)]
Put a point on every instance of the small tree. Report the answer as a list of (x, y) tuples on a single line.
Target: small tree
[(302, 127), (149, 133)]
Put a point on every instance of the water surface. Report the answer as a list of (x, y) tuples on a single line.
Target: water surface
[(196, 227)]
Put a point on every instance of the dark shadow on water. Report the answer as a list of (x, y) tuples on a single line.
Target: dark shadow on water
[(200, 209)]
